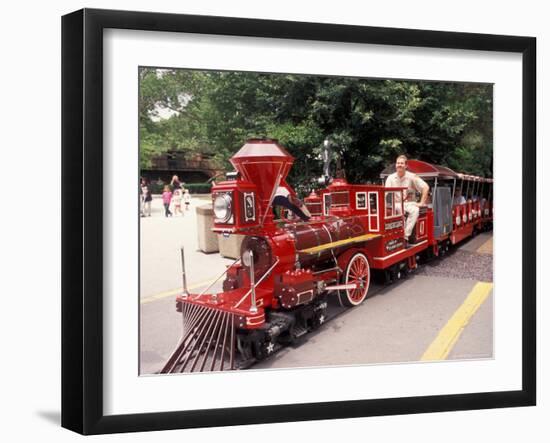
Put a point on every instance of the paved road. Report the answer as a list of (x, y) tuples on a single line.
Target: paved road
[(161, 240), (398, 324)]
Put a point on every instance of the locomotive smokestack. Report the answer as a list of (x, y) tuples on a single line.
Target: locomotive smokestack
[(265, 163)]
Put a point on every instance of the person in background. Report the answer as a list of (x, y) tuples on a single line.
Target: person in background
[(175, 183), (166, 198), (147, 200), (141, 197), (145, 197), (187, 199), (176, 201)]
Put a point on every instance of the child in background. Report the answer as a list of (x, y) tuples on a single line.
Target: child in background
[(166, 198), (186, 199), (176, 201)]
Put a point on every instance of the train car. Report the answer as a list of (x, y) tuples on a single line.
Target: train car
[(278, 289), (462, 204)]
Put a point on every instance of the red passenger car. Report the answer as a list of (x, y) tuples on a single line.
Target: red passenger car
[(277, 290)]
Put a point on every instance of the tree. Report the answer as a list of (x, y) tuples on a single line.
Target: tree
[(369, 121)]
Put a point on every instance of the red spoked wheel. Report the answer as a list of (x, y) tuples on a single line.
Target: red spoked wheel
[(357, 272)]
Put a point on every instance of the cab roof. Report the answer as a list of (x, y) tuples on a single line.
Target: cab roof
[(422, 169)]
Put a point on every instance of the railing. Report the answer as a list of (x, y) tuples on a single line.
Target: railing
[(253, 285), (184, 276)]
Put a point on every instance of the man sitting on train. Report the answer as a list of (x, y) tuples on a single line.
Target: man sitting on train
[(402, 178), (283, 197)]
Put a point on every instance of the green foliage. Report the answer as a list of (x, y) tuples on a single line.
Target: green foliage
[(369, 121), (194, 188), (198, 188), (156, 187)]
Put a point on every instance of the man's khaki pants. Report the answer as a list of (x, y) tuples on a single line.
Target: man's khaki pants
[(411, 213)]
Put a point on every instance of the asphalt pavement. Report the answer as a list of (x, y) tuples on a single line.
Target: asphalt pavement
[(160, 260)]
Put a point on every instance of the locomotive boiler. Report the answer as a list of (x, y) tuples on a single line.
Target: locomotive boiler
[(278, 289)]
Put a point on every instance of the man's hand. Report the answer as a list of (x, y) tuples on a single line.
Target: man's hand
[(424, 197)]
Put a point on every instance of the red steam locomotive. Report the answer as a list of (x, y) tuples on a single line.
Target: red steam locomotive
[(278, 289)]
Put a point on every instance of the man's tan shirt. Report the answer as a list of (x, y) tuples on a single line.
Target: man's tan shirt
[(410, 181)]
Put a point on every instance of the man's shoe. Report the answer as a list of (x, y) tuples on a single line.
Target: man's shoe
[(409, 243)]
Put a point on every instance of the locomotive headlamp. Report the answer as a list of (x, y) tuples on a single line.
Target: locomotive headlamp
[(222, 207)]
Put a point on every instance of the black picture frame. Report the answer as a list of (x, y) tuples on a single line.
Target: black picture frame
[(82, 218)]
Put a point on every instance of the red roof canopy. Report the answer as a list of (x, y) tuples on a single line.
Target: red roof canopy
[(422, 169)]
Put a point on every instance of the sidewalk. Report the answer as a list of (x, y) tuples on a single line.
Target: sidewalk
[(160, 241)]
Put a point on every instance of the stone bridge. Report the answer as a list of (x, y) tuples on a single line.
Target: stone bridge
[(189, 167)]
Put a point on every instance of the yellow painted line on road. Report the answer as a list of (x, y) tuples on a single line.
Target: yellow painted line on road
[(173, 292), (448, 336), (486, 248)]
